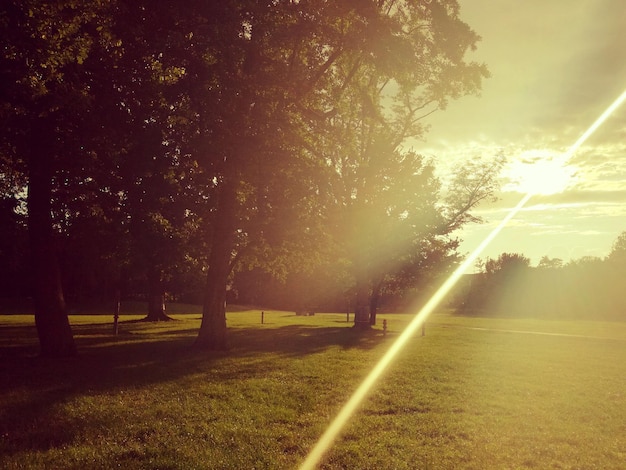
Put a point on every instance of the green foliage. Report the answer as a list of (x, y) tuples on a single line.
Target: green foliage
[(550, 263), (588, 287), (617, 256), (506, 263), (476, 181), (225, 133)]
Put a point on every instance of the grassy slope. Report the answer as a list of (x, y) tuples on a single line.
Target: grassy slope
[(457, 398)]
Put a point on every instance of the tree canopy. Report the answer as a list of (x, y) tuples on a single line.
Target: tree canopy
[(190, 140), (584, 288)]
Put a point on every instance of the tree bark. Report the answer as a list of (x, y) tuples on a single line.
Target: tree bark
[(374, 298), (361, 312), (212, 334), (156, 296), (53, 327)]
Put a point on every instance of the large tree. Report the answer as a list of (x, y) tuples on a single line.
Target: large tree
[(152, 170), (385, 199), (44, 98), (274, 74)]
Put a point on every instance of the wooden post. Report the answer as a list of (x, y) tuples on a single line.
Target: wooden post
[(424, 329), (116, 313), (262, 317), (385, 327)]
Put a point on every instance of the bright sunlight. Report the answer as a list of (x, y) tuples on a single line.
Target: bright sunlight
[(540, 173), (333, 430)]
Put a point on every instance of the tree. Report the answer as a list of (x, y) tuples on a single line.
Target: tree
[(502, 285), (381, 197), (227, 105), (432, 248), (141, 129), (618, 251), (550, 263), (506, 264), (614, 277), (294, 65), (45, 46), (385, 210), (290, 68)]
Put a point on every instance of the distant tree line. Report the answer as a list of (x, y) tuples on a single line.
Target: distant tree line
[(165, 148), (587, 288)]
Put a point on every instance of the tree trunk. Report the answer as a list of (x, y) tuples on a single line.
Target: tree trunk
[(361, 312), (212, 334), (156, 296), (53, 327), (374, 300)]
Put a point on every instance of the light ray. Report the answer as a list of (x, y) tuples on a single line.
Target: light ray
[(333, 430), (603, 117)]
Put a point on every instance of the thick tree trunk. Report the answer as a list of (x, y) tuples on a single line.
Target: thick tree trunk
[(374, 298), (212, 334), (361, 312), (53, 327), (156, 296)]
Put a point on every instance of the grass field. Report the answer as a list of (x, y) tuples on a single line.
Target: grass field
[(474, 393)]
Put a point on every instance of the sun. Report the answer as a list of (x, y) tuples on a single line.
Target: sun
[(539, 172)]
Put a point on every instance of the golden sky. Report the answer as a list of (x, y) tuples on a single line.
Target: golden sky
[(555, 67)]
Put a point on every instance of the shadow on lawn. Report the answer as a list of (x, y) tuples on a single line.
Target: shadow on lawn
[(300, 340), (31, 388)]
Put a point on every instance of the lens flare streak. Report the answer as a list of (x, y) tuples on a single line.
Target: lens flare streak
[(333, 430), (603, 117)]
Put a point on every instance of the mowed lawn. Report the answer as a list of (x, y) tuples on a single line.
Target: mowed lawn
[(473, 393)]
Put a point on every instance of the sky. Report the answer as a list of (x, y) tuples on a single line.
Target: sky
[(555, 67)]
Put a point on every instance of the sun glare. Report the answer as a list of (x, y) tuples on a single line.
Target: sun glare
[(542, 174), (540, 182)]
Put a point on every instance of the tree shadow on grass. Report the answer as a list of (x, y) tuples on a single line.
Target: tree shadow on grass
[(33, 388), (156, 354), (300, 340)]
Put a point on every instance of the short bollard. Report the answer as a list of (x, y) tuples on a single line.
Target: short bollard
[(385, 327), (262, 317), (116, 314)]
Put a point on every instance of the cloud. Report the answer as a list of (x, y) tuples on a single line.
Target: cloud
[(577, 196), (593, 75), (599, 70), (556, 67)]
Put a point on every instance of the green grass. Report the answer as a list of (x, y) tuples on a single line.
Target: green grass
[(473, 393)]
